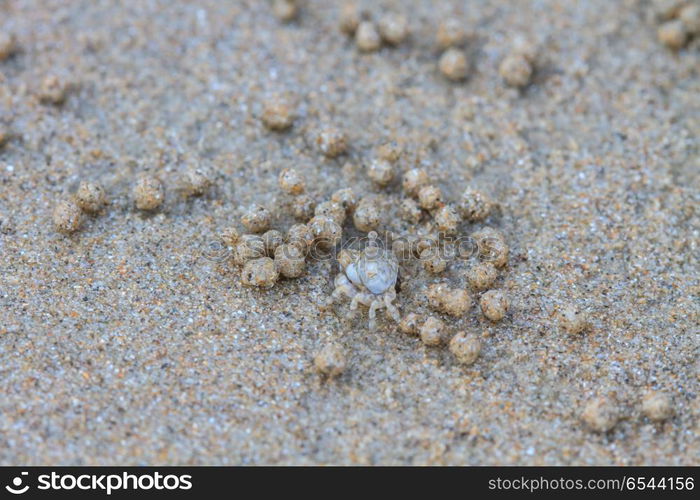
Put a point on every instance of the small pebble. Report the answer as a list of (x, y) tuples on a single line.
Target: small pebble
[(410, 211), (381, 172), (249, 247), (451, 33), (256, 219), (672, 34), (367, 216), (8, 45), (432, 333), (327, 233), (90, 197), (600, 414), (410, 324), (332, 210), (516, 70), (571, 320), (453, 64), (289, 261), (278, 114), (271, 240), (303, 207), (260, 273), (367, 37), (332, 142), (285, 10), (291, 182), (690, 17), (474, 205), (466, 347), (413, 180), (447, 219), (657, 406), (67, 217), (482, 275), (300, 236), (148, 193), (330, 361), (429, 197), (393, 28), (432, 261), (350, 17), (494, 305), (347, 198), (53, 91), (197, 180)]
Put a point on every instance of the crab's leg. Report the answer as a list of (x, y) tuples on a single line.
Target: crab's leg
[(393, 311), (376, 304)]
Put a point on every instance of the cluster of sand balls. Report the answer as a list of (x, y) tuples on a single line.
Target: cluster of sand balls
[(679, 22), (516, 68), (602, 413), (147, 193), (423, 197), (68, 214), (266, 255), (390, 29)]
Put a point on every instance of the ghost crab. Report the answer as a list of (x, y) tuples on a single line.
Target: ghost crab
[(368, 278)]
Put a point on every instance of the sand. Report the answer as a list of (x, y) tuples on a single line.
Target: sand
[(123, 344)]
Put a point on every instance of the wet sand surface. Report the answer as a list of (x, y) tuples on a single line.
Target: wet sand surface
[(124, 344)]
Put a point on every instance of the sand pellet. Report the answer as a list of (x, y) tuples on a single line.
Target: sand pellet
[(466, 347), (410, 324), (67, 217), (451, 33), (256, 218), (430, 197), (148, 193), (367, 37), (600, 414), (330, 360), (494, 305), (332, 142), (413, 180), (672, 34), (303, 207), (657, 406), (432, 332), (278, 114), (453, 64), (90, 196), (259, 273), (482, 275), (367, 215), (289, 261), (381, 172), (516, 70), (393, 28), (291, 182), (332, 210)]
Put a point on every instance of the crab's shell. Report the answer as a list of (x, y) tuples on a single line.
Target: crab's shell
[(376, 275)]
